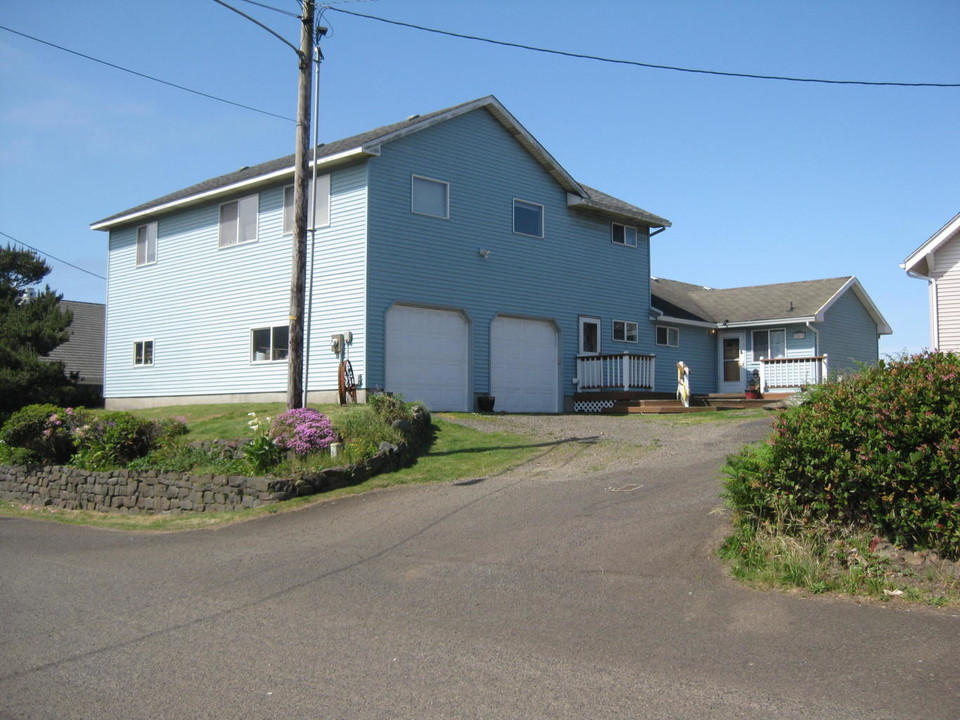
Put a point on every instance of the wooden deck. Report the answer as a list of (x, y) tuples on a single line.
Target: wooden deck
[(649, 403)]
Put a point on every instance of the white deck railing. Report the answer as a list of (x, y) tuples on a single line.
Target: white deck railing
[(615, 372), (792, 373)]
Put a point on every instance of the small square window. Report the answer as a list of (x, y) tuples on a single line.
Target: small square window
[(269, 343), (147, 244), (624, 331), (623, 234), (668, 336), (429, 197), (527, 218), (238, 221), (143, 352)]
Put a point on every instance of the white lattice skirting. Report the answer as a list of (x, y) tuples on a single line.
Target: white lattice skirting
[(591, 406)]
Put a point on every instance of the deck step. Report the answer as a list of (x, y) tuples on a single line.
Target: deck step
[(654, 407)]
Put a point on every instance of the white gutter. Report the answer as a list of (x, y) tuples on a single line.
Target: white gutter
[(228, 189)]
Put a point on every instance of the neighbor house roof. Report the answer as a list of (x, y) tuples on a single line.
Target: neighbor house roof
[(367, 144), (919, 262), (83, 352), (804, 301)]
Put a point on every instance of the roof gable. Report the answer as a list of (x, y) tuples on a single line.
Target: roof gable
[(919, 262), (367, 144)]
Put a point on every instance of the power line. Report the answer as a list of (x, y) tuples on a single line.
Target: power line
[(271, 7), (75, 267), (583, 56), (148, 77)]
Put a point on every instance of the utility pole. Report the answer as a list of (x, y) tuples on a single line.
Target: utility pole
[(298, 281)]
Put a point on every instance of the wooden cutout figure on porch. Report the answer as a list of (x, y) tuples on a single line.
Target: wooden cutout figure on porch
[(683, 383)]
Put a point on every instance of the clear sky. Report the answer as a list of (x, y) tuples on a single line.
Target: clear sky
[(764, 181)]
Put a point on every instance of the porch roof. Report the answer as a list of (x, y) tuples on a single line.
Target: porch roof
[(802, 301)]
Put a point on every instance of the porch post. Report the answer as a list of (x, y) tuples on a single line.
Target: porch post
[(626, 371), (823, 369), (763, 378)]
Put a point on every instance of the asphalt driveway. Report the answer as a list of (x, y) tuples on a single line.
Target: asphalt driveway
[(569, 588)]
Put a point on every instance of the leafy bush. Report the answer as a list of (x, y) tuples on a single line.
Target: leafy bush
[(45, 432), (113, 439), (177, 457), (390, 408), (303, 430), (879, 451), (261, 452), (362, 431)]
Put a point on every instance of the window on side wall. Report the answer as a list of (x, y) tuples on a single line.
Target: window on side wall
[(769, 344), (143, 352), (147, 244), (269, 343), (320, 199), (623, 234), (429, 197), (668, 336), (625, 331), (238, 221), (527, 218)]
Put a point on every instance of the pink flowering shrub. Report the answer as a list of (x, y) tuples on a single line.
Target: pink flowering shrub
[(879, 451), (302, 431), (44, 431)]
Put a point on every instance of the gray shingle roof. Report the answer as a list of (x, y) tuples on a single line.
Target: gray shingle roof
[(593, 200), (83, 352), (757, 303)]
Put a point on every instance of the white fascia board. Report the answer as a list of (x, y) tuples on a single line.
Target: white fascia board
[(935, 241), (232, 188), (776, 322), (664, 318)]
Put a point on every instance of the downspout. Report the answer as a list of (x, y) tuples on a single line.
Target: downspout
[(934, 307)]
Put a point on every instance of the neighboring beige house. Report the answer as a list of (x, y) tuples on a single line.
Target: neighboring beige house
[(938, 262)]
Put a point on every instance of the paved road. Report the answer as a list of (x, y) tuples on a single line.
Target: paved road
[(542, 593)]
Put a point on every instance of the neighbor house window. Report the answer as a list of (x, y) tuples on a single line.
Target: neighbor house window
[(623, 234), (527, 218), (625, 331), (320, 199), (238, 221), (143, 352), (669, 336), (147, 244), (769, 344), (269, 343), (429, 197)]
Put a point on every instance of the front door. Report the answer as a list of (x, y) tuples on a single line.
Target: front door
[(732, 379)]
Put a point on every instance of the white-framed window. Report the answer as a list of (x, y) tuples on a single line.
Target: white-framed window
[(623, 234), (429, 197), (147, 244), (527, 218), (669, 336), (269, 343), (589, 335), (238, 221), (769, 344), (318, 195), (626, 331), (143, 352)]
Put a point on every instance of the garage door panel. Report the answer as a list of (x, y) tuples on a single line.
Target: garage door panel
[(524, 365), (427, 356)]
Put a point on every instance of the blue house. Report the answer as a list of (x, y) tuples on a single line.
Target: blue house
[(452, 258)]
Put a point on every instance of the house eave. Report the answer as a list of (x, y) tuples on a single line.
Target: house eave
[(249, 183), (917, 257), (883, 328)]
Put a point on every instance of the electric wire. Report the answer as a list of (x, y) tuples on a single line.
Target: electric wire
[(52, 257), (147, 77), (637, 63), (271, 7)]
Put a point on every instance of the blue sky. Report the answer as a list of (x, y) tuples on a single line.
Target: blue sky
[(764, 181)]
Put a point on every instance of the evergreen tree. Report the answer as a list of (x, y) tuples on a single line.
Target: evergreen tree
[(31, 325)]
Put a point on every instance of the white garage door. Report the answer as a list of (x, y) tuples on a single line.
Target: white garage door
[(524, 365), (426, 356)]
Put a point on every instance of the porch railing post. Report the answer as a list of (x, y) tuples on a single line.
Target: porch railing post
[(824, 369), (626, 371), (763, 384)]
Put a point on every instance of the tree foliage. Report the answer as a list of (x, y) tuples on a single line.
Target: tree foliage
[(30, 328)]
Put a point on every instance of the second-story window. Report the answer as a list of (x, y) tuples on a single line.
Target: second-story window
[(528, 218), (625, 331), (147, 244), (238, 221), (321, 198), (429, 197), (623, 234)]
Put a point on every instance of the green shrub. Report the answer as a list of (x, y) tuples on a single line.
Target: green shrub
[(362, 430), (390, 408), (111, 440), (879, 451), (45, 432)]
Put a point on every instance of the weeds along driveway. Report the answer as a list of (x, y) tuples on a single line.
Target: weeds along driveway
[(563, 589)]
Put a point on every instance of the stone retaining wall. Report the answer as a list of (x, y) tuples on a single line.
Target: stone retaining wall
[(148, 491)]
